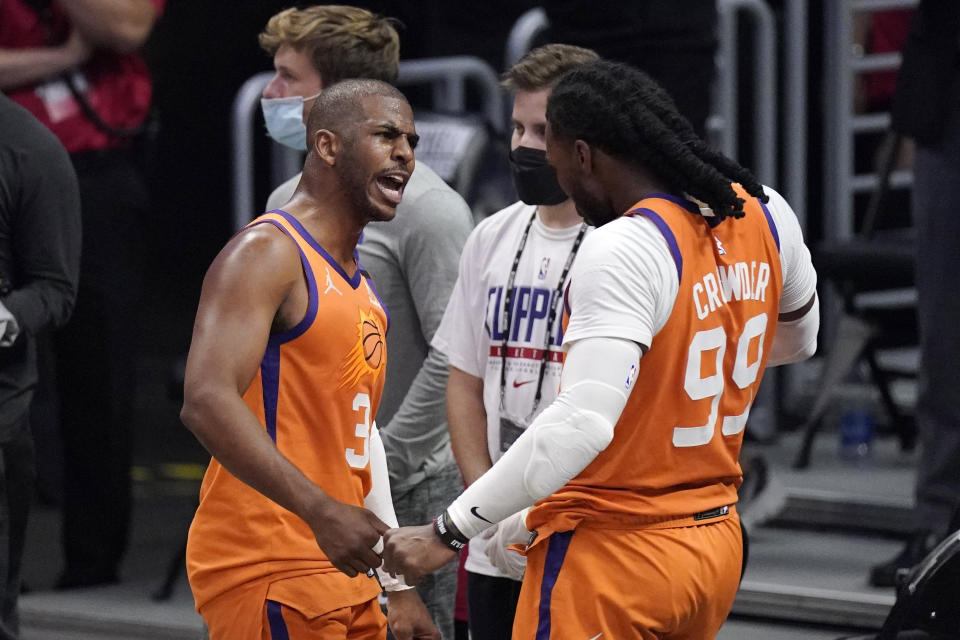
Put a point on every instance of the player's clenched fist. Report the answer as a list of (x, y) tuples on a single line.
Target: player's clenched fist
[(414, 552), (347, 535)]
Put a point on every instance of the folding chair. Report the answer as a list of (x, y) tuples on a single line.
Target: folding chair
[(870, 261)]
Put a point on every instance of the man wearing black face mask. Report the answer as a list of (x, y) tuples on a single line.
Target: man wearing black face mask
[(501, 330)]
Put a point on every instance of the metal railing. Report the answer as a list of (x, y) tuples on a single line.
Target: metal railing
[(522, 35), (727, 90), (447, 76), (842, 125), (795, 108), (722, 124)]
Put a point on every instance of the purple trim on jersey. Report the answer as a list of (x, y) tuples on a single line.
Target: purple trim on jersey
[(692, 207), (379, 299), (556, 552), (278, 628), (313, 296), (354, 282), (667, 235), (270, 381), (773, 227)]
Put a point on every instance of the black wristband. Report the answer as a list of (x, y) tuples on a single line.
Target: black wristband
[(448, 533)]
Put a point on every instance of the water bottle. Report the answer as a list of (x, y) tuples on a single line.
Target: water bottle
[(856, 434)]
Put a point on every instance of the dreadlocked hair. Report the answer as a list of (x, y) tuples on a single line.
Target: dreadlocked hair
[(625, 113)]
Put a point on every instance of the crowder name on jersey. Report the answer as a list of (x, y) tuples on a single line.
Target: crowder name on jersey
[(531, 305), (739, 281)]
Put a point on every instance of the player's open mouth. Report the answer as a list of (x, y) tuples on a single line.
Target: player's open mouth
[(392, 184)]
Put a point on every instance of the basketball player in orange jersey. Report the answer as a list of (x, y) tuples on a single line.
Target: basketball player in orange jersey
[(695, 280), (283, 380)]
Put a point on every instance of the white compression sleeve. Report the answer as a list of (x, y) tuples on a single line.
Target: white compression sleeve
[(598, 375), (380, 502), (796, 340)]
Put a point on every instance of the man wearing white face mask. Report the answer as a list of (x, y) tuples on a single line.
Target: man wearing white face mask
[(412, 260), (284, 118)]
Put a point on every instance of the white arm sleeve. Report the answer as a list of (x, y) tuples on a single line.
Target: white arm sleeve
[(380, 502), (799, 276), (598, 375), (797, 339)]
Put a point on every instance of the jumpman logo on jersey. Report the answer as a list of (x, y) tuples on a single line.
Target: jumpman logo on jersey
[(330, 284), (720, 248)]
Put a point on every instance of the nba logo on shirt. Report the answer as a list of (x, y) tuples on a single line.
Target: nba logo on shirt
[(544, 267), (631, 376), (720, 249)]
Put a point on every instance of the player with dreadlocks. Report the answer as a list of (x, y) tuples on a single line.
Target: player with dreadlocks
[(695, 280), (631, 117)]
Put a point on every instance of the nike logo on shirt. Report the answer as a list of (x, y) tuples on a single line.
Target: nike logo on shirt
[(520, 384)]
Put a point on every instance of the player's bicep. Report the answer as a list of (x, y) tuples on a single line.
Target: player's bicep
[(238, 303)]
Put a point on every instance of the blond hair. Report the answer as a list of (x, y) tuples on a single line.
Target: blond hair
[(343, 42), (542, 67)]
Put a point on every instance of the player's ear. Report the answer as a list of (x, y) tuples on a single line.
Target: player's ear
[(583, 156), (327, 145)]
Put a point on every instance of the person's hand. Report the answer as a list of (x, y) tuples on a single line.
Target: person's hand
[(408, 617), (414, 552), (347, 535), (512, 530)]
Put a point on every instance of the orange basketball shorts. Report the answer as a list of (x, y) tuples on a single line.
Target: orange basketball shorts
[(361, 622), (657, 583), (248, 614)]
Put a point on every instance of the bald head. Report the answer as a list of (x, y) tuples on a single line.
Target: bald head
[(340, 106)]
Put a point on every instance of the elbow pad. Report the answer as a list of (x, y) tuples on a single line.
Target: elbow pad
[(563, 446), (562, 441)]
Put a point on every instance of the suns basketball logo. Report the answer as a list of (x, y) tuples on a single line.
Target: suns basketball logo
[(367, 355)]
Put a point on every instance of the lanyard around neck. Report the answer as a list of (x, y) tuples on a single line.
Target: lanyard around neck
[(554, 304)]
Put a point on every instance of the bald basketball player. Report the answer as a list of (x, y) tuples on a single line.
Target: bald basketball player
[(283, 379)]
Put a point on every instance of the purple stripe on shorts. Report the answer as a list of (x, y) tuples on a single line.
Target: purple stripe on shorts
[(556, 552), (278, 628)]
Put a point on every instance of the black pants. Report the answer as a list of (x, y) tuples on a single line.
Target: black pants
[(491, 604), (17, 475), (96, 366), (936, 198)]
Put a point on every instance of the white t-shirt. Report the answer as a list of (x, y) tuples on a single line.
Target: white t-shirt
[(472, 330), (633, 280)]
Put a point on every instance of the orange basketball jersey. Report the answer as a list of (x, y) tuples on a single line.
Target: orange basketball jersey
[(316, 395), (676, 446)]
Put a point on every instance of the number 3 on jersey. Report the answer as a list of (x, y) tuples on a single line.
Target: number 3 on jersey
[(714, 342), (361, 402)]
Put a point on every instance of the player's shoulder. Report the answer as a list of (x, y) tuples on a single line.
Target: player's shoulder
[(623, 245), (783, 217), (777, 206), (261, 243), (621, 233)]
